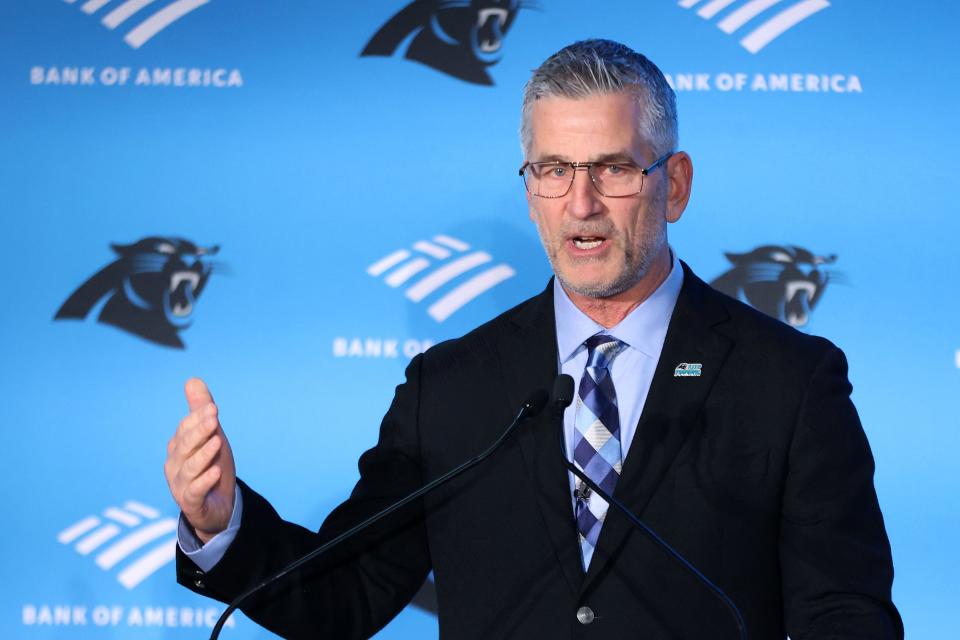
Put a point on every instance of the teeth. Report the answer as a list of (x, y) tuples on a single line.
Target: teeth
[(499, 13), (582, 243), (796, 286), (180, 310), (190, 277)]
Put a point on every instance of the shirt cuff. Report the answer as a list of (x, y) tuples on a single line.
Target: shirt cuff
[(206, 556)]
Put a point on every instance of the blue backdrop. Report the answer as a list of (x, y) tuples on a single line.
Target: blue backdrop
[(174, 127)]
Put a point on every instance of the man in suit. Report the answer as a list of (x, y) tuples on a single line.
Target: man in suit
[(729, 433)]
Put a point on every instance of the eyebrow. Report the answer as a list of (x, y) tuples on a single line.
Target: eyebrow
[(613, 157)]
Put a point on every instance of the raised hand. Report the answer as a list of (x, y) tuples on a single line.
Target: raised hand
[(199, 468)]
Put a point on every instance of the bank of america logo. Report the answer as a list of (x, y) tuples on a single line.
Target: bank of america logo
[(125, 539), (120, 12), (432, 264), (767, 31)]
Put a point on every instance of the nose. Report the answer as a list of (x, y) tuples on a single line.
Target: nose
[(584, 197)]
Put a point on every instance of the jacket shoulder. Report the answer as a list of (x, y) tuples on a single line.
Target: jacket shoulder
[(748, 326), (481, 343)]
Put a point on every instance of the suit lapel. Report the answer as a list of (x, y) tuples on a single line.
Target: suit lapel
[(529, 361), (670, 411)]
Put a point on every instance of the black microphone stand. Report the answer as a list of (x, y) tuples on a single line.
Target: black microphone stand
[(531, 407)]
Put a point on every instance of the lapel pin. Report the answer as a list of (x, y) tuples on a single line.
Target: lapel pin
[(687, 369)]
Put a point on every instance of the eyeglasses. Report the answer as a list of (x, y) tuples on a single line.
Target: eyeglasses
[(610, 179)]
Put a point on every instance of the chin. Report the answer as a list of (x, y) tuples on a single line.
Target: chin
[(596, 288)]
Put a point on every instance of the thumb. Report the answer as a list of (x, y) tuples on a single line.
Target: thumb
[(197, 394)]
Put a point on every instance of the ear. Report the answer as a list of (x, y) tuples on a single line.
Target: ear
[(679, 172)]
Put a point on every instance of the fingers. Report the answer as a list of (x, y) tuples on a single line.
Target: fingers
[(197, 394), (199, 467), (191, 480), (204, 418), (196, 491), (197, 463), (192, 450), (194, 432)]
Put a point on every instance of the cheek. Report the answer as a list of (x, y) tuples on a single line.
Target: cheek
[(548, 215), (540, 216), (642, 221), (628, 222), (530, 209)]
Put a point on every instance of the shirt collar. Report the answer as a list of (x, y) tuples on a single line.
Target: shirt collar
[(644, 328)]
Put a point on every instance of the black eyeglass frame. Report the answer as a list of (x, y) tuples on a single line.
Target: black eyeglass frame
[(574, 166)]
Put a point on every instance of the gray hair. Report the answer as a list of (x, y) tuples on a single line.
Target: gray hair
[(598, 67)]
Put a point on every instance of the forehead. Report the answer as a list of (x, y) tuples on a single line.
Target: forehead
[(585, 128)]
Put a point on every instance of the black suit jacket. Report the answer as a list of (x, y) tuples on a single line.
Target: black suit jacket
[(758, 471)]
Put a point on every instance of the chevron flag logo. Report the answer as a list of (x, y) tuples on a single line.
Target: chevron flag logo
[(125, 539), (767, 31), (144, 30), (435, 263)]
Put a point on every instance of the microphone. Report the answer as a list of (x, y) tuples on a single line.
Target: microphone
[(562, 393), (561, 399), (531, 407)]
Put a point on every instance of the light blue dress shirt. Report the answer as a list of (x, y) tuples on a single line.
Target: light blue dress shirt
[(643, 330), (206, 556)]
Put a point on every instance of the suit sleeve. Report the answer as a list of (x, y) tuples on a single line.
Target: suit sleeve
[(359, 586), (834, 553)]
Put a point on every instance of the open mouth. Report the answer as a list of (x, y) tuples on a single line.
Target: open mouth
[(183, 286), (489, 29), (799, 294), (585, 243)]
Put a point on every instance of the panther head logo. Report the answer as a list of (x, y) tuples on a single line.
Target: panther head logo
[(783, 282), (458, 37), (149, 290)]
